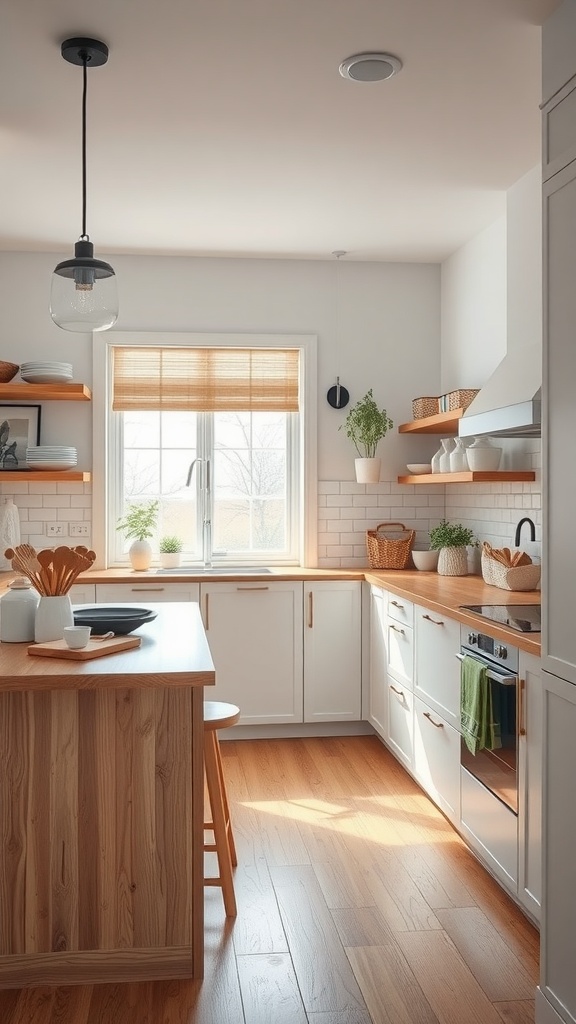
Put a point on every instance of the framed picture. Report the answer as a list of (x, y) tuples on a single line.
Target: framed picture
[(19, 428)]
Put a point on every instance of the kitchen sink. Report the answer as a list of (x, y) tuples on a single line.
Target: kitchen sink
[(191, 570)]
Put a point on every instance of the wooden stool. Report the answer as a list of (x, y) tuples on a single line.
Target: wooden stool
[(218, 715)]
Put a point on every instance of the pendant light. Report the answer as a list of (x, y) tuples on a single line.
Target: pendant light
[(84, 293)]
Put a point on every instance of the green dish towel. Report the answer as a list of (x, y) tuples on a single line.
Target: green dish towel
[(478, 715)]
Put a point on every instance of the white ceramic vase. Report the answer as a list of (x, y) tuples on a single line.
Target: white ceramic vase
[(52, 614), (453, 562), (458, 458), (140, 554), (367, 470), (447, 446)]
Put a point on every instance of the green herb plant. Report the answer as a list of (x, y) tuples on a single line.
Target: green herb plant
[(170, 545), (366, 425), (450, 535), (139, 520)]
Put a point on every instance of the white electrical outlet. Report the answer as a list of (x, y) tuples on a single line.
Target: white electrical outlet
[(56, 530), (79, 529)]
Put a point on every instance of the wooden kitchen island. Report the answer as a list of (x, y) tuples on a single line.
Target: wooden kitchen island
[(101, 809)]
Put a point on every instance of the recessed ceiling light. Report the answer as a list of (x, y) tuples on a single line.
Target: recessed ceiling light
[(370, 67)]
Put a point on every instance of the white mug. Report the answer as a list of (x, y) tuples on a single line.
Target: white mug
[(77, 637)]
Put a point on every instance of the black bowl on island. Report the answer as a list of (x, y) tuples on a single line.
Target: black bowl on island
[(118, 619)]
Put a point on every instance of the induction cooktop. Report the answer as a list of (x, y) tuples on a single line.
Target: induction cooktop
[(523, 617)]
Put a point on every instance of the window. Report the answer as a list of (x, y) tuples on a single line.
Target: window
[(229, 481)]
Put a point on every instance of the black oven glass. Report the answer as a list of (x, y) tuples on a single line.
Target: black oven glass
[(523, 617)]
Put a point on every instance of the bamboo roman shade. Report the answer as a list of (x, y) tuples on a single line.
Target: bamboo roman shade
[(205, 379)]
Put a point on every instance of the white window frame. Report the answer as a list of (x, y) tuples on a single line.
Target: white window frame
[(103, 437)]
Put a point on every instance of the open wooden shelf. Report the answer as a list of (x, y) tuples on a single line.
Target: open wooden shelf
[(469, 477), (440, 423), (27, 475), (44, 392)]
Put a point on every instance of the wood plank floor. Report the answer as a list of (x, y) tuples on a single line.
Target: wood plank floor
[(357, 904)]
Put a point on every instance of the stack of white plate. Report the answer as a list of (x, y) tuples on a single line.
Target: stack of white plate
[(51, 456), (44, 372)]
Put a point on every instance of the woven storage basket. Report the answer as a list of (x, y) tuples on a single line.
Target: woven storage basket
[(424, 407), (520, 577), (389, 546), (461, 398)]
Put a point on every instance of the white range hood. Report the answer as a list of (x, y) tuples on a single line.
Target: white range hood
[(509, 403)]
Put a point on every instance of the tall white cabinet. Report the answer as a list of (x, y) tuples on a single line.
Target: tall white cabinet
[(556, 998)]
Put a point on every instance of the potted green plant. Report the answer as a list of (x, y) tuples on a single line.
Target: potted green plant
[(170, 552), (451, 540), (365, 425), (139, 522)]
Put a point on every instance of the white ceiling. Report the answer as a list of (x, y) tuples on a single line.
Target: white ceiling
[(223, 128)]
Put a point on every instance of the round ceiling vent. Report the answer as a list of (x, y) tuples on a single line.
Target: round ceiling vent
[(370, 67)]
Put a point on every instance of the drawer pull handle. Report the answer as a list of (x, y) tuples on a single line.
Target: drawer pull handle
[(437, 725), (399, 692), (397, 604), (252, 588), (147, 590), (437, 622), (397, 629), (310, 609), (521, 697)]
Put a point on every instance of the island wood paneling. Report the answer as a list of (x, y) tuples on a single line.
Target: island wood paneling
[(100, 796)]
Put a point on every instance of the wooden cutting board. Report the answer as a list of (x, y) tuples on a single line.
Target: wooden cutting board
[(95, 648)]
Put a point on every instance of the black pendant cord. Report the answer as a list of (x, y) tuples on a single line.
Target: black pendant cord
[(84, 236)]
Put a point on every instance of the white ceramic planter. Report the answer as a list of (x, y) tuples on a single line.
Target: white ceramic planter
[(453, 562), (367, 470), (170, 559), (140, 554)]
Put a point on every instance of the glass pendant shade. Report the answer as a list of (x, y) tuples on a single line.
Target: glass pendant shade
[(84, 295)]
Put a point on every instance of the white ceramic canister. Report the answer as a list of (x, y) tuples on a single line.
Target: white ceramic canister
[(18, 612), (447, 447), (458, 458)]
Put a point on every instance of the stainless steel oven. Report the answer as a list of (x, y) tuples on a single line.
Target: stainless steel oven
[(497, 770)]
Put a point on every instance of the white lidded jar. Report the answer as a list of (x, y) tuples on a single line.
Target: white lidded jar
[(18, 612)]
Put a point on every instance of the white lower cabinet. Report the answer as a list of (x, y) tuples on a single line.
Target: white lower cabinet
[(332, 651), (378, 689), (255, 635), (142, 593), (530, 710), (400, 721), (83, 593), (437, 759)]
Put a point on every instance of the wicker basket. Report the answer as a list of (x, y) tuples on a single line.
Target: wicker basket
[(7, 371), (389, 546), (424, 407), (519, 577), (461, 398)]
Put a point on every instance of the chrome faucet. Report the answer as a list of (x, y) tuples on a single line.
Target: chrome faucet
[(205, 489), (519, 531)]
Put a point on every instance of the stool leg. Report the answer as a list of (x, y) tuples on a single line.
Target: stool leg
[(229, 833), (217, 796)]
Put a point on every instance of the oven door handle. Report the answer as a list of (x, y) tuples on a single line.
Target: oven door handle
[(495, 676)]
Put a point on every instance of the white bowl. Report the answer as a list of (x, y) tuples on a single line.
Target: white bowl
[(484, 460), (417, 468), (425, 560)]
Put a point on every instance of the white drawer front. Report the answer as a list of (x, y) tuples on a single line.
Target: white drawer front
[(400, 609), (400, 722), (400, 651)]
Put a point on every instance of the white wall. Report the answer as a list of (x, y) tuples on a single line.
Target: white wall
[(386, 336)]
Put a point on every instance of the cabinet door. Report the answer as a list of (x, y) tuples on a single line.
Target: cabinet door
[(400, 721), (559, 550), (332, 651), (437, 673), (378, 696), (255, 635), (83, 593), (400, 651), (530, 784), (437, 759), (142, 593)]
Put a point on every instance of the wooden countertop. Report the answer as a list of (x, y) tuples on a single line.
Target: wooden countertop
[(174, 652), (445, 595)]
